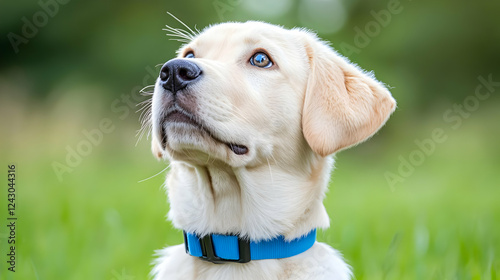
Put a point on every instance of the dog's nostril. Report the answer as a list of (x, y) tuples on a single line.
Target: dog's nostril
[(183, 74), (187, 74), (164, 73)]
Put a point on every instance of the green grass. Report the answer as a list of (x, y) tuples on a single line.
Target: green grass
[(442, 222)]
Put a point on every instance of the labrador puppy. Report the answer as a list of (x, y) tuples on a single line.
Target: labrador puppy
[(249, 116)]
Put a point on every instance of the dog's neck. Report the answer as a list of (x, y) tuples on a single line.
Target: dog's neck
[(259, 202)]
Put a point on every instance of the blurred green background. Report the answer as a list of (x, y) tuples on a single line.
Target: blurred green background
[(418, 201)]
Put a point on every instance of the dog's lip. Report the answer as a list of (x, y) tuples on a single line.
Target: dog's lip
[(181, 116), (238, 149)]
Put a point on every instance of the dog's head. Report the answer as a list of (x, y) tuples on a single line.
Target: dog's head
[(241, 93)]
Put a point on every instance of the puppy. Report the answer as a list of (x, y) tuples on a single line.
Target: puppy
[(249, 116)]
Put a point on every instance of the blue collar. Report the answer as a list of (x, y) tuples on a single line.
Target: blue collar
[(218, 248)]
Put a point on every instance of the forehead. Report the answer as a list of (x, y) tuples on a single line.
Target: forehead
[(228, 38)]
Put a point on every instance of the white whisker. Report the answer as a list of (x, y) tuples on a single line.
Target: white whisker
[(143, 90), (144, 118), (179, 35), (180, 40), (155, 174), (194, 34)]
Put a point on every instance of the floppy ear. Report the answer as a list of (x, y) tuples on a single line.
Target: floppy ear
[(343, 105)]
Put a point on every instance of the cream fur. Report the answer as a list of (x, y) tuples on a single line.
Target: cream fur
[(292, 117)]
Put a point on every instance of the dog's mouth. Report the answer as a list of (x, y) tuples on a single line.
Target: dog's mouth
[(181, 116)]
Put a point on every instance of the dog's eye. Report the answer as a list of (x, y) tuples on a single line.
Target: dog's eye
[(261, 60), (189, 55)]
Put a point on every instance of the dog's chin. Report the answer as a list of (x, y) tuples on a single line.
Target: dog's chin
[(186, 140)]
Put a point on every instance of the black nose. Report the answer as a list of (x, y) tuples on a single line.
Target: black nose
[(176, 74)]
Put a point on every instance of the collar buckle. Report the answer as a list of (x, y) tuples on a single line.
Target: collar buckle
[(208, 251)]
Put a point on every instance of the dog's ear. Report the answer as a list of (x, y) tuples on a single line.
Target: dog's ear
[(155, 148), (343, 105)]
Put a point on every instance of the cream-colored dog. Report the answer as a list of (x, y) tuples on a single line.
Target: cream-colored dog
[(249, 115)]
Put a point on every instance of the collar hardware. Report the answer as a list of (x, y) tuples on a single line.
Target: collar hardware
[(219, 249), (208, 250)]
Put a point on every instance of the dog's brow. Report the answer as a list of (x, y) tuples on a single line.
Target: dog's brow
[(251, 40)]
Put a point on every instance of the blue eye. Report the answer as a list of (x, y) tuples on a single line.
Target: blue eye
[(189, 55), (261, 60)]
